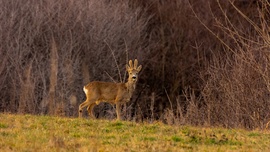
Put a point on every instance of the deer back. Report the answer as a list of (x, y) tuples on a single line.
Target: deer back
[(106, 91)]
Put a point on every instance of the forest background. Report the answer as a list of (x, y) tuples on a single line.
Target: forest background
[(205, 62)]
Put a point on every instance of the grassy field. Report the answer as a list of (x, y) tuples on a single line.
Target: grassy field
[(45, 133)]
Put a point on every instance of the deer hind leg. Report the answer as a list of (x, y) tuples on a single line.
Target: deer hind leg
[(90, 110)]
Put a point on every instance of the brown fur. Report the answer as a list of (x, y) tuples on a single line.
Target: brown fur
[(114, 93)]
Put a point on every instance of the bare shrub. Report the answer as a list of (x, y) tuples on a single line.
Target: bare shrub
[(87, 36), (205, 62), (236, 89)]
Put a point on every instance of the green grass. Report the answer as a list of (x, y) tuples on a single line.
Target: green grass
[(45, 133)]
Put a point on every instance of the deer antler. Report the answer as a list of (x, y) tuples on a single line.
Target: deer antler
[(130, 64), (135, 64)]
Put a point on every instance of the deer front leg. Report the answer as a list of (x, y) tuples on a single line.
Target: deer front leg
[(84, 104), (118, 111)]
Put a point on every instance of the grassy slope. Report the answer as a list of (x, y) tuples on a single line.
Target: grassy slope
[(44, 133)]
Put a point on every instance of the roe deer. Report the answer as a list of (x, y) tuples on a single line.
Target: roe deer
[(113, 93)]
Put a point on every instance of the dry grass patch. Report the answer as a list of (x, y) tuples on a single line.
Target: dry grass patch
[(43, 133)]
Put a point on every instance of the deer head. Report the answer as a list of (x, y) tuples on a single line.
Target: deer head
[(133, 71)]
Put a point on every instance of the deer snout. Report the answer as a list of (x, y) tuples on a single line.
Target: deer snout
[(134, 77)]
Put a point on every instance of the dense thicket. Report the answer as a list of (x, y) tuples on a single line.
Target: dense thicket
[(204, 62)]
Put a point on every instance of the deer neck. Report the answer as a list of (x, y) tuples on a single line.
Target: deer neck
[(130, 87)]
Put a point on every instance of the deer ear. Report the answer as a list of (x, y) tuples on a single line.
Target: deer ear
[(139, 68)]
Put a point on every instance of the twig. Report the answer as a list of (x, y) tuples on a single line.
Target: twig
[(115, 61), (110, 76), (168, 98)]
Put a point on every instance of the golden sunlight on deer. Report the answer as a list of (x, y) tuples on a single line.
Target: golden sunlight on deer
[(114, 93)]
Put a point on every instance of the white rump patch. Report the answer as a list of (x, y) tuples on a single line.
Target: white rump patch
[(85, 90)]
